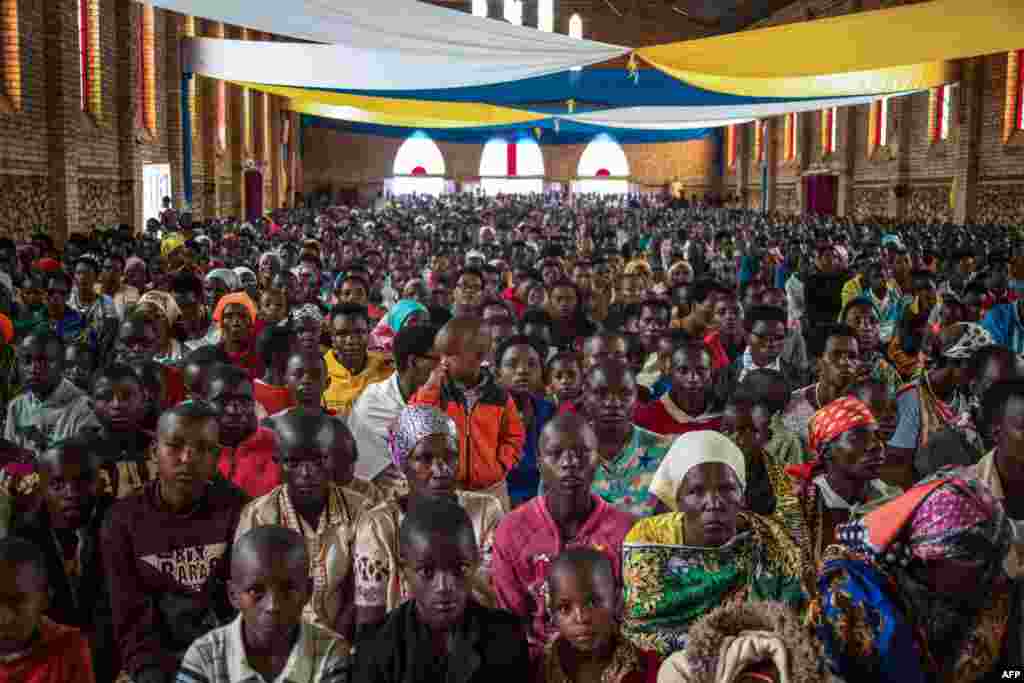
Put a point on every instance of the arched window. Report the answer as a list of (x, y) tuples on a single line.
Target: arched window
[(603, 168), (480, 8), (792, 136), (512, 168), (829, 133), (10, 53), (146, 109), (89, 56), (732, 140), (419, 167), (514, 12), (941, 111), (1013, 115), (220, 100), (546, 15), (576, 27), (576, 31)]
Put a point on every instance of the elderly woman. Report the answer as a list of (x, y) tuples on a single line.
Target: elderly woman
[(235, 316), (162, 307), (841, 482), (404, 312), (678, 566), (915, 590), (424, 447)]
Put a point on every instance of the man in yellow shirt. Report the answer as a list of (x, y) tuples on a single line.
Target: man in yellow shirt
[(350, 366)]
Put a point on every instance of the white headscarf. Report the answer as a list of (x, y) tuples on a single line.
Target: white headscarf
[(688, 451)]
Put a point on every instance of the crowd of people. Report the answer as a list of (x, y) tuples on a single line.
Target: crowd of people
[(529, 438)]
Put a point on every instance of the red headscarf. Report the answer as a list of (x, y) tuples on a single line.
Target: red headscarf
[(827, 425)]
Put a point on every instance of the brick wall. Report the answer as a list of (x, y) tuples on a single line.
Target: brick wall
[(335, 159)]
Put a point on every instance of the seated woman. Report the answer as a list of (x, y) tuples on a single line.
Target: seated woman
[(915, 590), (678, 566), (235, 315), (404, 312), (841, 482), (425, 448)]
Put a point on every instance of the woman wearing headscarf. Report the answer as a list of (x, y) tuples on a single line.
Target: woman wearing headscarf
[(935, 427), (247, 282), (841, 481), (164, 309), (269, 265), (915, 590), (235, 316), (404, 312), (424, 447), (707, 552)]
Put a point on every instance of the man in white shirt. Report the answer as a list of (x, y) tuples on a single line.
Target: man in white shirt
[(380, 403)]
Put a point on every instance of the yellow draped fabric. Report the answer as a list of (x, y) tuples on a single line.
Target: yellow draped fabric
[(388, 111), (894, 50)]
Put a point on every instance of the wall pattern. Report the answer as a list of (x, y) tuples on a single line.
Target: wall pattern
[(930, 204), (1000, 205), (870, 202), (99, 203), (25, 205), (787, 199)]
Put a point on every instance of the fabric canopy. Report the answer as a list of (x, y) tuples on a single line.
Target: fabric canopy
[(380, 45), (903, 48)]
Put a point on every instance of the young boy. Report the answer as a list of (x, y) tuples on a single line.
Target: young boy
[(66, 530), (564, 380), (441, 633), (119, 401), (312, 504), (490, 429), (80, 363), (273, 308), (33, 648), (269, 640), (165, 547), (585, 604)]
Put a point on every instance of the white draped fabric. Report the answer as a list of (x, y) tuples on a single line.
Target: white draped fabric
[(379, 45)]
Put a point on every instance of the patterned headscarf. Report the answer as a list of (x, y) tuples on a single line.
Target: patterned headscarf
[(240, 298), (225, 275), (170, 243), (974, 338), (164, 303), (308, 312), (939, 519), (414, 424), (827, 425)]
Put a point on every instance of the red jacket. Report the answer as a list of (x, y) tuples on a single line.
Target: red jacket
[(491, 436)]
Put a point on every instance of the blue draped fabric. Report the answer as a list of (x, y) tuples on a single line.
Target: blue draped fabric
[(865, 632)]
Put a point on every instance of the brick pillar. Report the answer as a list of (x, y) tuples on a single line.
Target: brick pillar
[(771, 159), (743, 145), (174, 31), (63, 113), (129, 158), (846, 141), (965, 171), (898, 189), (530, 15)]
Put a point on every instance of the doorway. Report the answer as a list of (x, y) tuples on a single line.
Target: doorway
[(156, 184), (821, 194)]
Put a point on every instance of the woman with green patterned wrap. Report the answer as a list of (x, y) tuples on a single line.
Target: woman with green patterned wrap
[(678, 566)]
